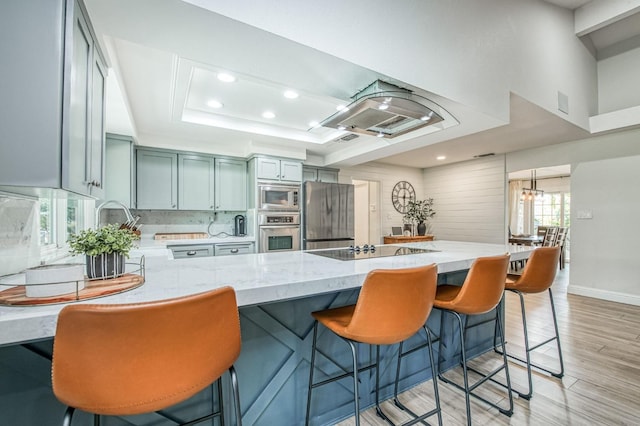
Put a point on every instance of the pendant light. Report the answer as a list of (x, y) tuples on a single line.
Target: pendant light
[(533, 191)]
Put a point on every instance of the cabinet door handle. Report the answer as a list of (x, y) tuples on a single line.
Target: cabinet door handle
[(173, 206), (191, 253), (234, 250)]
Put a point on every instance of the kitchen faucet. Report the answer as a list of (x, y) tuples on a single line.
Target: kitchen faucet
[(130, 218)]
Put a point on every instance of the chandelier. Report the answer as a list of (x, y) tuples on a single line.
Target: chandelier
[(533, 191)]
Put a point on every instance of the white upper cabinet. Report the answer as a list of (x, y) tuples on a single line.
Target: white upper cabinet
[(282, 170), (168, 180), (318, 174), (52, 95), (231, 185), (195, 182), (156, 180)]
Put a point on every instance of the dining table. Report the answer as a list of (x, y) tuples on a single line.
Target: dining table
[(526, 240)]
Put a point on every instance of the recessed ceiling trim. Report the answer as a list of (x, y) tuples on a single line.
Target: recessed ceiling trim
[(245, 102)]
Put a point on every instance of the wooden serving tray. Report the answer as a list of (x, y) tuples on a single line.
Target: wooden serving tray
[(180, 235), (17, 296)]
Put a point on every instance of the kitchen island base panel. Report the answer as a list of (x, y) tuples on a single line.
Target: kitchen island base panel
[(273, 368)]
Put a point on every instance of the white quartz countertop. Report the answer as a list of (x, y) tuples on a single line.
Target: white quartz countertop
[(257, 278)]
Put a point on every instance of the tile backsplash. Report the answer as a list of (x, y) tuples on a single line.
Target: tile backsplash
[(19, 231), (153, 221)]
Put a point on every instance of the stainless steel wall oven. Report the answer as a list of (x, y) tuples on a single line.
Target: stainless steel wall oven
[(278, 231)]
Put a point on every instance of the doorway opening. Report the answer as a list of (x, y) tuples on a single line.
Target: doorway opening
[(366, 211), (552, 208)]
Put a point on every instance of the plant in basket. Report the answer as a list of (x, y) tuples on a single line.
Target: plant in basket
[(105, 249)]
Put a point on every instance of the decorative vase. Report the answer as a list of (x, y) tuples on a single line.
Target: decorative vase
[(105, 266), (422, 228)]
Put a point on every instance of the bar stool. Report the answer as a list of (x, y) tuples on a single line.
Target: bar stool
[(481, 292), (138, 358), (537, 276), (392, 306)]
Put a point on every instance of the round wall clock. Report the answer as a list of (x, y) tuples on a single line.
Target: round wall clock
[(401, 194)]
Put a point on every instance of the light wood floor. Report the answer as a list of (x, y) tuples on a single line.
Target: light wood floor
[(601, 347)]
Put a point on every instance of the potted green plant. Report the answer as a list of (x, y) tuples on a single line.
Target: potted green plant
[(420, 211), (105, 249)]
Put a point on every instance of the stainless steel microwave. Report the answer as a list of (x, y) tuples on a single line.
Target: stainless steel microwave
[(278, 197)]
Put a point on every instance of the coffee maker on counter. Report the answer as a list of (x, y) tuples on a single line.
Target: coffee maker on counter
[(240, 226)]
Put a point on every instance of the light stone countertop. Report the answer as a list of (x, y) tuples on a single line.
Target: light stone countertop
[(257, 278)]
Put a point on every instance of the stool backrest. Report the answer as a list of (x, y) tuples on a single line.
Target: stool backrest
[(138, 358), (539, 271), (484, 286), (394, 304)]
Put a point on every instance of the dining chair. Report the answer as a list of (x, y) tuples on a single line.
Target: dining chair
[(561, 240)]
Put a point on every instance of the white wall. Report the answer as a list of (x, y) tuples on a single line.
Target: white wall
[(617, 77), (469, 199), (604, 249), (387, 176), (604, 180)]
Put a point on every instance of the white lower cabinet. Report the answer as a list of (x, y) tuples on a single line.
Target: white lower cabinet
[(229, 249)]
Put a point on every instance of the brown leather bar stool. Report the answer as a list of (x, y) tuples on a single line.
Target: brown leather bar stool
[(537, 277), (481, 292), (138, 358), (392, 306)]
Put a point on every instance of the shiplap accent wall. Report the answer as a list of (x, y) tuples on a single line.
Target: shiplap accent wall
[(469, 199), (387, 175)]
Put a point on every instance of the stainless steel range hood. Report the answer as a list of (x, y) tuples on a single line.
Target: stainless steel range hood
[(385, 110)]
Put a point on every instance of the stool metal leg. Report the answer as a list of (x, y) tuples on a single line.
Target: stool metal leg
[(434, 378), (311, 368), (236, 394), (529, 349), (68, 414), (468, 390), (356, 392)]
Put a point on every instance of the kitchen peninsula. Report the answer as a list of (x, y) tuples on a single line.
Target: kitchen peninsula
[(276, 293)]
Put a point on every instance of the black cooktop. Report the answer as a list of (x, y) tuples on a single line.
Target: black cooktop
[(369, 252)]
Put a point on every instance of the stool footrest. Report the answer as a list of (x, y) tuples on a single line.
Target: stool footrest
[(506, 412)]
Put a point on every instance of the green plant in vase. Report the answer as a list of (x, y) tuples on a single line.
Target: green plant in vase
[(419, 212), (105, 249)]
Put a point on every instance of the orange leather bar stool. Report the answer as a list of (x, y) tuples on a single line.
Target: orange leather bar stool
[(393, 305), (481, 292), (138, 358), (537, 277)]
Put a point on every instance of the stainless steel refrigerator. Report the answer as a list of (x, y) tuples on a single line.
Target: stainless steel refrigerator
[(327, 215)]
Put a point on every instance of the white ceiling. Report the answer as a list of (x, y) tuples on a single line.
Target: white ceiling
[(166, 77)]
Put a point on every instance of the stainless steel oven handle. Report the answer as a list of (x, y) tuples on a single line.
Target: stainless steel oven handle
[(279, 226)]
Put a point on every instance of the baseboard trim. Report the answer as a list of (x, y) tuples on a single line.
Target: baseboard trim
[(612, 296)]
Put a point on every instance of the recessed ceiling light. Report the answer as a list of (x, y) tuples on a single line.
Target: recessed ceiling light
[(214, 104), (290, 94), (227, 78), (383, 106), (341, 107), (313, 124), (342, 127), (425, 118), (380, 135), (268, 114), (441, 157)]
